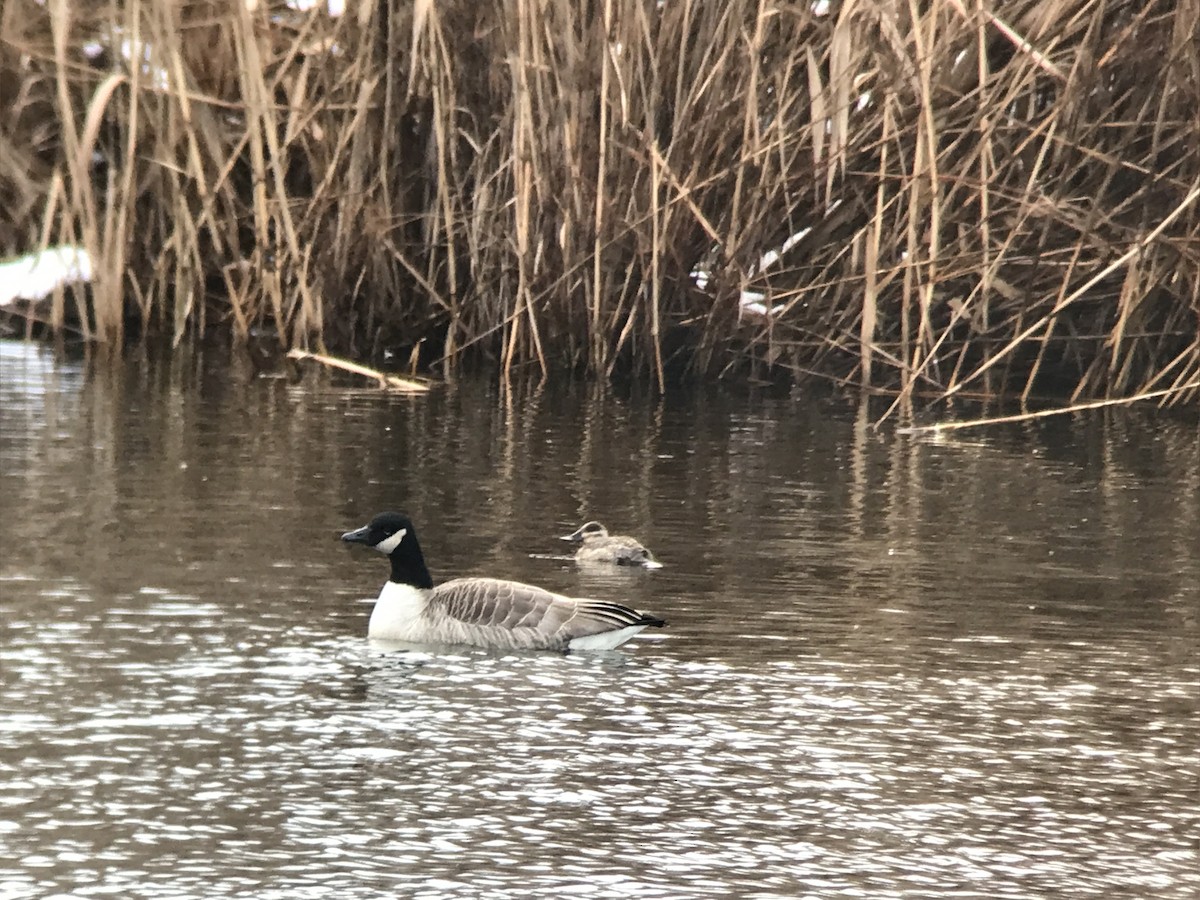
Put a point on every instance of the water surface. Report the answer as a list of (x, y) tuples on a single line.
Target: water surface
[(896, 667)]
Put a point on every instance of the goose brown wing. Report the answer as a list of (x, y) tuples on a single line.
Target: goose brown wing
[(510, 605)]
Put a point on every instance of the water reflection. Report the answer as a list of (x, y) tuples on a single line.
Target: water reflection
[(895, 667)]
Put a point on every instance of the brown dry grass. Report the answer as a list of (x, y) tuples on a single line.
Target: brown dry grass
[(993, 197)]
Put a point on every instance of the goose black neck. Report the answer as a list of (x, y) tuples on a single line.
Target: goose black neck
[(408, 564)]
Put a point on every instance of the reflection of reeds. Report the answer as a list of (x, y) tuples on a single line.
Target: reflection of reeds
[(971, 199)]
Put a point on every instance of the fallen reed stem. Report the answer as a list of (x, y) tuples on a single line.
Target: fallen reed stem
[(1047, 413), (385, 379)]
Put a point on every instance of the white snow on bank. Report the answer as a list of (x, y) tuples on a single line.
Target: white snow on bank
[(36, 275), (753, 302), (332, 8)]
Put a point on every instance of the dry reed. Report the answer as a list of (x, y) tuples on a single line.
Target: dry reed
[(946, 196)]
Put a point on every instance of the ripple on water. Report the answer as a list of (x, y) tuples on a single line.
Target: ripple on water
[(833, 713), (338, 767)]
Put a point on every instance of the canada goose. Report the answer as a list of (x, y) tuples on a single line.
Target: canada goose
[(600, 546), (484, 612)]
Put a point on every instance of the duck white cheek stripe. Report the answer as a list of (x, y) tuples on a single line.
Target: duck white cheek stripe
[(387, 545)]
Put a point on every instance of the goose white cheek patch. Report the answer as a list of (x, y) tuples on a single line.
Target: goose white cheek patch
[(387, 545)]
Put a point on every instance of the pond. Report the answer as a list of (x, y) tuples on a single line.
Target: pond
[(894, 667)]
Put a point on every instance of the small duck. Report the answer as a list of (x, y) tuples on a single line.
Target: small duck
[(482, 612), (601, 547)]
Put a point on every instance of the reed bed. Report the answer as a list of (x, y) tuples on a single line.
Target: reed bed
[(928, 198)]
